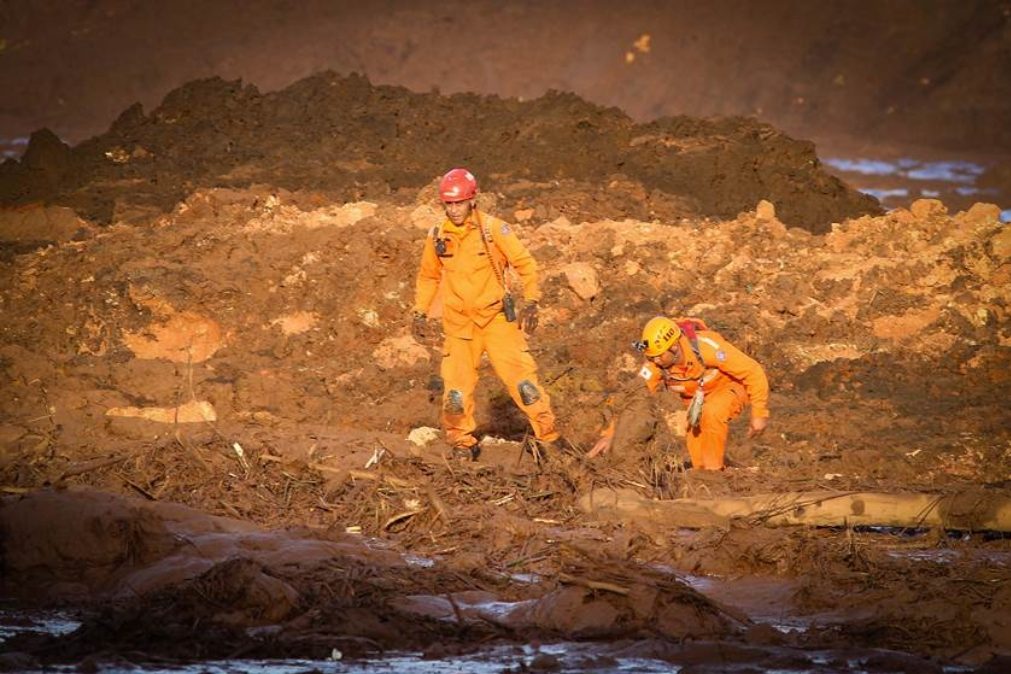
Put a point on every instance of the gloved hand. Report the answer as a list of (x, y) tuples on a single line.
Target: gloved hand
[(419, 327), (528, 321)]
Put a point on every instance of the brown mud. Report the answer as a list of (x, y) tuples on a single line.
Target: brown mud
[(348, 140), (209, 386)]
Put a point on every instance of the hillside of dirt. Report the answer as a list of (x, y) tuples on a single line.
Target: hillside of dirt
[(349, 140), (215, 427)]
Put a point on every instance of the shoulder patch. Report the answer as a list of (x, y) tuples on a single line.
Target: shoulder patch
[(505, 229), (646, 373), (711, 342), (721, 355)]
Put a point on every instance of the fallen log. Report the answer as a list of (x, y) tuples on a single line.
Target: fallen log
[(973, 510)]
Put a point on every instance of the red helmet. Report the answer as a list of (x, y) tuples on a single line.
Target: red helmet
[(457, 185)]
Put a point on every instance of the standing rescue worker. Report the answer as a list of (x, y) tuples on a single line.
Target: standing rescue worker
[(714, 378), (470, 254)]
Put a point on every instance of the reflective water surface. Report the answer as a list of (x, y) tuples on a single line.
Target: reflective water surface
[(897, 183)]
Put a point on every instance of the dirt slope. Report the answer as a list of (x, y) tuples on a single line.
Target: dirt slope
[(349, 139)]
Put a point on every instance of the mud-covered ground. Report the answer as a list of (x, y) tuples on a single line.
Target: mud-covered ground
[(209, 386)]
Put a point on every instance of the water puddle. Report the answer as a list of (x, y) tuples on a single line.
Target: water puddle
[(417, 560), (56, 624), (562, 658), (899, 182), (963, 172), (13, 148), (990, 558)]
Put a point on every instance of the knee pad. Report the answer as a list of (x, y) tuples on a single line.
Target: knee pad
[(454, 402), (528, 392)]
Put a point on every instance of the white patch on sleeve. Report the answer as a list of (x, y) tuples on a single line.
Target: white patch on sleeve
[(646, 373), (505, 229), (721, 355), (711, 342)]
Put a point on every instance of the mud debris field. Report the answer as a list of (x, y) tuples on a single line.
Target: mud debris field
[(209, 386)]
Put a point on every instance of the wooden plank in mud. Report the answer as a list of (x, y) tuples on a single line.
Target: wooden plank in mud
[(973, 510)]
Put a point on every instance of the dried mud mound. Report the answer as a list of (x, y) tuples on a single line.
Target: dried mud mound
[(178, 582), (350, 139)]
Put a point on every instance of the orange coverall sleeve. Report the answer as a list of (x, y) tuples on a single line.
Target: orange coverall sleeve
[(429, 276), (742, 367), (519, 259)]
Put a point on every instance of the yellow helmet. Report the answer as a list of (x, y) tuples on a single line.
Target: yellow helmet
[(659, 335)]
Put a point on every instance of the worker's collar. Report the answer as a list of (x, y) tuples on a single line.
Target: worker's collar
[(449, 228)]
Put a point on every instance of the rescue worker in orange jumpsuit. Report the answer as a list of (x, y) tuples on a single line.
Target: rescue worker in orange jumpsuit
[(684, 356), (470, 254)]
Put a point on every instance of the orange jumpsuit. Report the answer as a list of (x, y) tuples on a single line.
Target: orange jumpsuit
[(472, 291), (730, 380)]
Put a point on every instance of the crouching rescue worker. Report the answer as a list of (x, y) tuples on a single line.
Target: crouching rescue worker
[(470, 254), (714, 379)]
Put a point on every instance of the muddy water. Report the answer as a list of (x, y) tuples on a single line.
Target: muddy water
[(14, 622), (898, 182), (13, 148), (559, 657), (563, 658), (765, 600)]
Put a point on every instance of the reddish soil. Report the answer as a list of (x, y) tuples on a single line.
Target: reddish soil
[(208, 386)]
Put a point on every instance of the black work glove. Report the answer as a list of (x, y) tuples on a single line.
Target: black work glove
[(419, 327), (528, 320)]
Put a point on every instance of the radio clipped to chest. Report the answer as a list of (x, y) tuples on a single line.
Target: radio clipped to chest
[(441, 244), (445, 246)]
